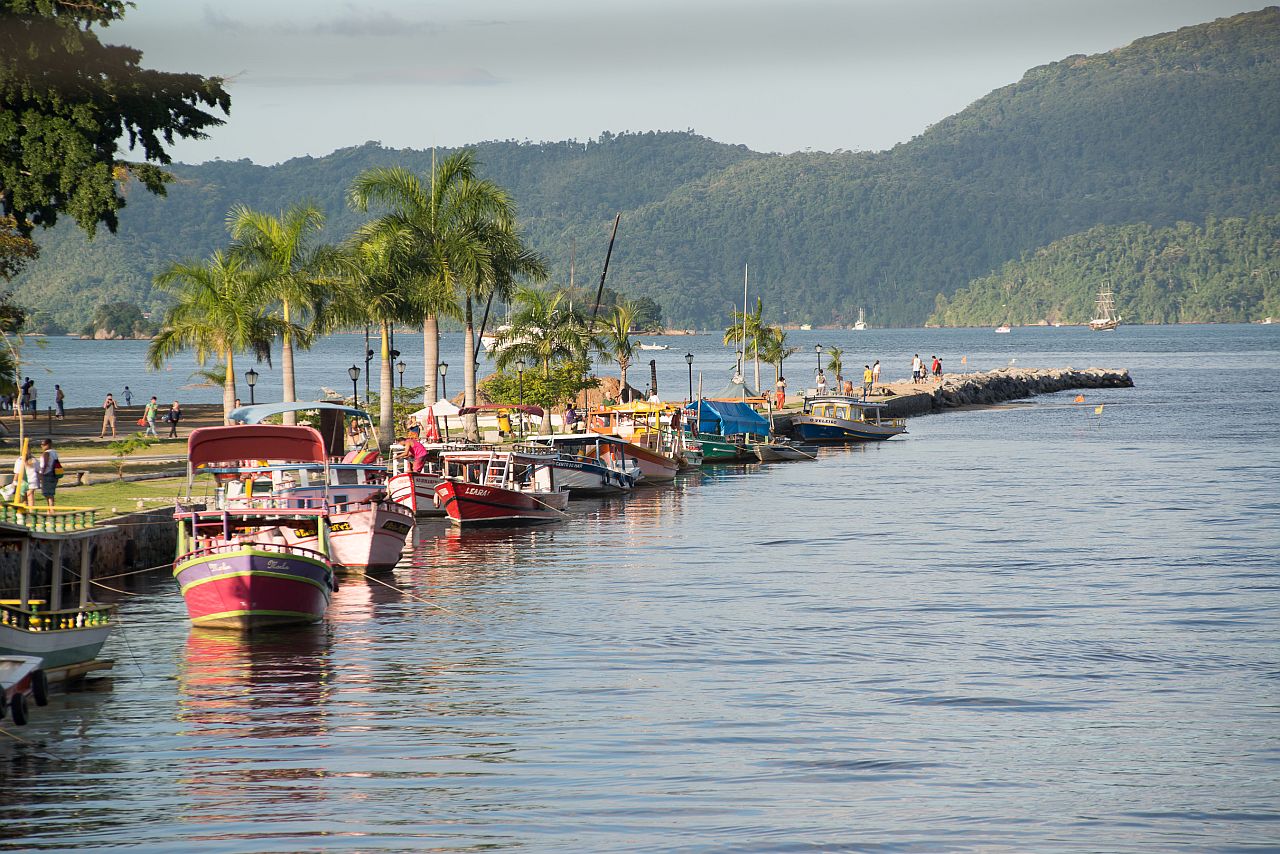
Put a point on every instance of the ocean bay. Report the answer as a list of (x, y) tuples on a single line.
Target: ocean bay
[(1019, 628)]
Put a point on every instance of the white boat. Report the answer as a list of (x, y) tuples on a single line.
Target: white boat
[(590, 464), (805, 327), (67, 636), (1003, 329), (862, 321), (654, 347), (1106, 318)]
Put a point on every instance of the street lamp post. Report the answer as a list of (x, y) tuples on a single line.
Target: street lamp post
[(354, 373), (817, 348), (400, 366), (444, 387), (520, 382), (251, 377), (688, 360)]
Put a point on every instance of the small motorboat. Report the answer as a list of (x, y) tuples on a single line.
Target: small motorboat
[(21, 676), (655, 347), (491, 487), (1003, 329), (778, 450)]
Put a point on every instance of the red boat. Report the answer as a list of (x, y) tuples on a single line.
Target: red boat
[(500, 488)]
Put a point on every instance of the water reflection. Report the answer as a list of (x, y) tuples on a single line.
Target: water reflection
[(246, 702)]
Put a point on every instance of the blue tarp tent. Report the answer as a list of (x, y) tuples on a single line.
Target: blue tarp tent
[(728, 418)]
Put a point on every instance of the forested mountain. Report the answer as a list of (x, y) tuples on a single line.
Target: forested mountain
[(1179, 127), (1226, 271)]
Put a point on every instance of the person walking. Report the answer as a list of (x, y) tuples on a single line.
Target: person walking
[(875, 375), (23, 488), (915, 369), (24, 395), (48, 470), (31, 399), (60, 401), (937, 369), (782, 392), (128, 397), (173, 416), (822, 383), (149, 415), (108, 417), (868, 378)]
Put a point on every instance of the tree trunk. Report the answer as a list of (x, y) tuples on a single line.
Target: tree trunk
[(622, 390), (229, 388), (386, 414), (469, 422), (286, 370), (756, 356), (545, 428), (430, 358)]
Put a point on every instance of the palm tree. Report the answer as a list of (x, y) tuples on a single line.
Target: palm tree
[(545, 330), (774, 350), (441, 220), (835, 363), (278, 247), (222, 308), (755, 332), (616, 338)]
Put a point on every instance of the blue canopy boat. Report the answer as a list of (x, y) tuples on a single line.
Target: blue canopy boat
[(837, 418), (721, 425)]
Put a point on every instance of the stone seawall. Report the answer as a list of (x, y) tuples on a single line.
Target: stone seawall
[(998, 386), (137, 541)]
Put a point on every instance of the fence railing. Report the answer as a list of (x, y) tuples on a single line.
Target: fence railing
[(49, 521)]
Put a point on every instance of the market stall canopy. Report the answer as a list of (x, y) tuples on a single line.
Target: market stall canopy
[(440, 409), (503, 407)]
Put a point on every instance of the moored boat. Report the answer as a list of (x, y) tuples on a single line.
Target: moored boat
[(838, 418), (21, 676), (590, 464), (237, 566), (652, 445), (66, 636), (491, 487), (778, 450)]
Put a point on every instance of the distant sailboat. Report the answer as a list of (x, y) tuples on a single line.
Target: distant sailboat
[(862, 321), (1106, 318)]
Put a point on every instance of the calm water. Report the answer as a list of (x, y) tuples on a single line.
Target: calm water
[(1029, 629)]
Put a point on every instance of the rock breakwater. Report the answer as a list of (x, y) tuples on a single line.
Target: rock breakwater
[(998, 386)]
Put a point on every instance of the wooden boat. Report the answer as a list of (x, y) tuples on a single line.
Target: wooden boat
[(726, 429), (368, 528), (67, 637), (590, 464), (650, 443), (21, 676), (239, 564), (415, 491), (1105, 319), (838, 418), (491, 487), (779, 450)]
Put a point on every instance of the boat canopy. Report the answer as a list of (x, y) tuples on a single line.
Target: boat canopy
[(576, 439), (727, 418), (736, 391), (276, 442), (257, 413)]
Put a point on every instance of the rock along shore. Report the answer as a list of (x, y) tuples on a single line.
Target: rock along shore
[(992, 387)]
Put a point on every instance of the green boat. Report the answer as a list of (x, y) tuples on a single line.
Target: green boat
[(718, 449), (725, 429)]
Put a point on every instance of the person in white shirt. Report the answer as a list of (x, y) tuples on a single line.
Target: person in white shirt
[(915, 369), (46, 471)]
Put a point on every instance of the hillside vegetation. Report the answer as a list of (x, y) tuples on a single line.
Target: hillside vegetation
[(1226, 271), (1180, 127)]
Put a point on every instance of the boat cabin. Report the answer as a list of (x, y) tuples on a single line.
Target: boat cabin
[(847, 409), (524, 470)]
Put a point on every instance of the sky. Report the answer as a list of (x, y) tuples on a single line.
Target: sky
[(310, 76)]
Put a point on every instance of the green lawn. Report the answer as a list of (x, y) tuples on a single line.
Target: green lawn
[(116, 496)]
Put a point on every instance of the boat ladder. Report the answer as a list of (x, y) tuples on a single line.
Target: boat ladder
[(497, 471)]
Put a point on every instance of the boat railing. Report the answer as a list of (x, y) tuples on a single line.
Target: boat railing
[(32, 619), (49, 521), (259, 545)]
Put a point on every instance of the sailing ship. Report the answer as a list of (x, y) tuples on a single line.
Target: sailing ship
[(1105, 318), (862, 321)]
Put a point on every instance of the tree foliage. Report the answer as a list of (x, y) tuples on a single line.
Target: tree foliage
[(67, 102), (1225, 271)]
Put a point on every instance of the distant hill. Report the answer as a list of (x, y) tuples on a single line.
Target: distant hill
[(1179, 127), (1226, 271)]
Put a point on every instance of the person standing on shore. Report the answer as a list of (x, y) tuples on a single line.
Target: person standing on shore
[(149, 415), (108, 417), (915, 369), (60, 401), (782, 392), (822, 383), (173, 416), (48, 471), (23, 487), (937, 369), (31, 399), (867, 381), (875, 375), (128, 396)]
